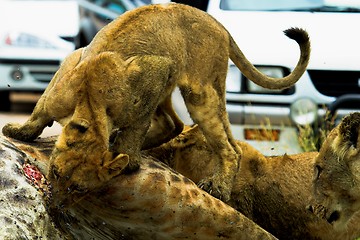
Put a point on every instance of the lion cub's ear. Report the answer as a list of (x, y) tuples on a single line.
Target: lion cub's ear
[(111, 167), (346, 144), (349, 129)]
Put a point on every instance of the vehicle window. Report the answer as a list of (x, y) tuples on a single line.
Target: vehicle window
[(268, 5), (292, 5), (113, 5)]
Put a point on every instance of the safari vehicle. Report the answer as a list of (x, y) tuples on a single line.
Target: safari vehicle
[(333, 73), (34, 39), (97, 13)]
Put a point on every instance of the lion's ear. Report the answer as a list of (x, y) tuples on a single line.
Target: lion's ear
[(349, 129), (111, 167)]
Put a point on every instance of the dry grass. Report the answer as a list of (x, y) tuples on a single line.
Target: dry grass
[(312, 136), (264, 133)]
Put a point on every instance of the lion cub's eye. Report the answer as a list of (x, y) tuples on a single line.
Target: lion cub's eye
[(318, 171)]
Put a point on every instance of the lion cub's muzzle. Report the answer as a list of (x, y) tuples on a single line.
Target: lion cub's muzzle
[(324, 213)]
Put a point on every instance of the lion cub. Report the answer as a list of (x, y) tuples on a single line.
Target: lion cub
[(124, 79), (337, 173)]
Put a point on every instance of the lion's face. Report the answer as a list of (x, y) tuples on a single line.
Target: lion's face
[(80, 164), (337, 173)]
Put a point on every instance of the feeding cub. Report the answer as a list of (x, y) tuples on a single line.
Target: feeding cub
[(124, 79), (337, 173)]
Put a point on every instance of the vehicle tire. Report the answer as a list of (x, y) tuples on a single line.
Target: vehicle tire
[(5, 103)]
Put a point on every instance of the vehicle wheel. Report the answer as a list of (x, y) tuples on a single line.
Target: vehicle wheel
[(5, 103)]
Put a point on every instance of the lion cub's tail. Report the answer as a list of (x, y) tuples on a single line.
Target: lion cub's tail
[(248, 69)]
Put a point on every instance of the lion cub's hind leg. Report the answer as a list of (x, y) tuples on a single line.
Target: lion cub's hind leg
[(165, 125), (207, 109)]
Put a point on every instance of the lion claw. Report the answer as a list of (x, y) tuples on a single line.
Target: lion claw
[(215, 188)]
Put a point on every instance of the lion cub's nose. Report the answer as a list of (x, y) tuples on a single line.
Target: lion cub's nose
[(334, 216)]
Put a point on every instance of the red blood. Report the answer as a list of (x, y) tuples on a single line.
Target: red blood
[(32, 173)]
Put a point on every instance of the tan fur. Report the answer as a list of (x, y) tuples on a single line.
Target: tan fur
[(123, 80), (275, 192), (337, 173)]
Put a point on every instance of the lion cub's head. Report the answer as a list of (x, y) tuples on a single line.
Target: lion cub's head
[(337, 173), (81, 163)]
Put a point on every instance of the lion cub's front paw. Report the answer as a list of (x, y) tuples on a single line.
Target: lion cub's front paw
[(217, 187), (19, 132), (11, 130)]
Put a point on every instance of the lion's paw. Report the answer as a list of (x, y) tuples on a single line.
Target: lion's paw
[(17, 131), (11, 130), (216, 187)]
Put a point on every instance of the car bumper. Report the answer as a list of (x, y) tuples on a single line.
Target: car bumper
[(258, 115), (25, 76), (286, 141), (259, 119)]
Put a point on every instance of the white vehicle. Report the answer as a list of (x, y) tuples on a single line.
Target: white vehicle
[(333, 73), (35, 37)]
